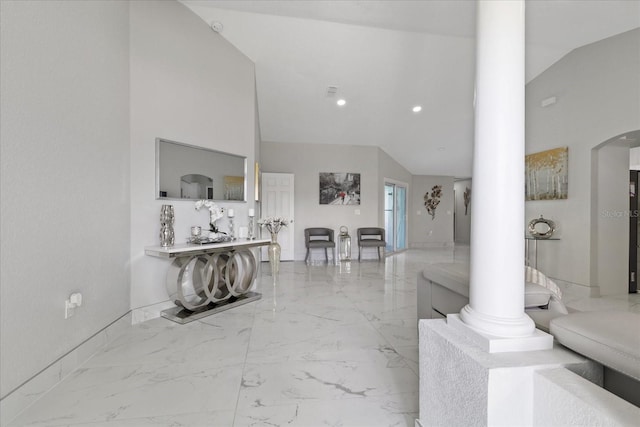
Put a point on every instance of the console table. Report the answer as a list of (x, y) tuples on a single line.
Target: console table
[(207, 279), (527, 254)]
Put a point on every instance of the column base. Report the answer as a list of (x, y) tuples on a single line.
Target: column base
[(462, 385), (538, 340), (499, 326)]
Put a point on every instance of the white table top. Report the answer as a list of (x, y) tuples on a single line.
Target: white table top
[(541, 238), (188, 249)]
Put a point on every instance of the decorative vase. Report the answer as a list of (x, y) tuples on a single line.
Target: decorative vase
[(167, 234), (167, 214), (274, 254)]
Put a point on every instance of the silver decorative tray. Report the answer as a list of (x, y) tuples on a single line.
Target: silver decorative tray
[(207, 240)]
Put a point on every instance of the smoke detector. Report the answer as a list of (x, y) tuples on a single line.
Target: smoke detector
[(331, 91), (217, 26)]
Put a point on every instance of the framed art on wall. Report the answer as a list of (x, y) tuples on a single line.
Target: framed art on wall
[(339, 188), (547, 174)]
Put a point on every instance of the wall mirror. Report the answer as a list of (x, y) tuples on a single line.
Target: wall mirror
[(187, 172)]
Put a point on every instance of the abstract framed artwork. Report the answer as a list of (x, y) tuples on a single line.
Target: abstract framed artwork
[(547, 175), (234, 187), (339, 188)]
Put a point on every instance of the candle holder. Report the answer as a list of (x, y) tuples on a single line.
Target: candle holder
[(232, 233), (252, 226)]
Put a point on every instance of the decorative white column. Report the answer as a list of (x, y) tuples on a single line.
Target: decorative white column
[(496, 299)]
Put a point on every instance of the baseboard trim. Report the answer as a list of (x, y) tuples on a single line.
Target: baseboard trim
[(149, 312), (431, 245), (26, 394)]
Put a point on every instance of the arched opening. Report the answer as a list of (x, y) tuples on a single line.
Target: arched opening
[(610, 213)]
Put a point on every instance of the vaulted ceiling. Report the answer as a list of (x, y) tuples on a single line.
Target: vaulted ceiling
[(385, 57)]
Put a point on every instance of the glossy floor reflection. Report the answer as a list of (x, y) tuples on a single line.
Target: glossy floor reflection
[(326, 345)]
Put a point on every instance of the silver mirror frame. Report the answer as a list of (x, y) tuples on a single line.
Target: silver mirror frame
[(157, 178)]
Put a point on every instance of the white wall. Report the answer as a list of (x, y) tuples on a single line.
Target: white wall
[(462, 220), (425, 231), (610, 236), (306, 161), (65, 178), (188, 84), (634, 158), (390, 169), (597, 89)]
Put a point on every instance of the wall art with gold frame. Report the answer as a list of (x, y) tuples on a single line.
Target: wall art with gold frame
[(547, 175)]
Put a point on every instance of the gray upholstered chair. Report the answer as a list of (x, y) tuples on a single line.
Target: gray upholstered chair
[(319, 238), (370, 237)]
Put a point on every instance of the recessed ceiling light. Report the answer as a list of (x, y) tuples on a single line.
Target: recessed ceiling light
[(441, 148), (341, 102), (417, 109)]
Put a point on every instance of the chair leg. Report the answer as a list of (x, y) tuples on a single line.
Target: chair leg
[(326, 255), (379, 258), (306, 258), (359, 253), (333, 253)]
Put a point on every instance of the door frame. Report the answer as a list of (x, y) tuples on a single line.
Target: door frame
[(633, 231), (396, 183), (286, 235)]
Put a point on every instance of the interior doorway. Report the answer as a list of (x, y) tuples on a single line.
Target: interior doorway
[(611, 238), (633, 231), (278, 200), (395, 215)]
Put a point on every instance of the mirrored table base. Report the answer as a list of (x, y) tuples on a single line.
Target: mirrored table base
[(182, 315), (206, 279)]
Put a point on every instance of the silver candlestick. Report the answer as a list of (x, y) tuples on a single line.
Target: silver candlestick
[(252, 225), (231, 229)]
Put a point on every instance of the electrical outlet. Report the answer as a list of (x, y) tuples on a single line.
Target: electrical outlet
[(75, 300), (69, 309)]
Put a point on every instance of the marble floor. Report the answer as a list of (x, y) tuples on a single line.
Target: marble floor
[(325, 346)]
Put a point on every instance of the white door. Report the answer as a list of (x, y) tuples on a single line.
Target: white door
[(277, 200)]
